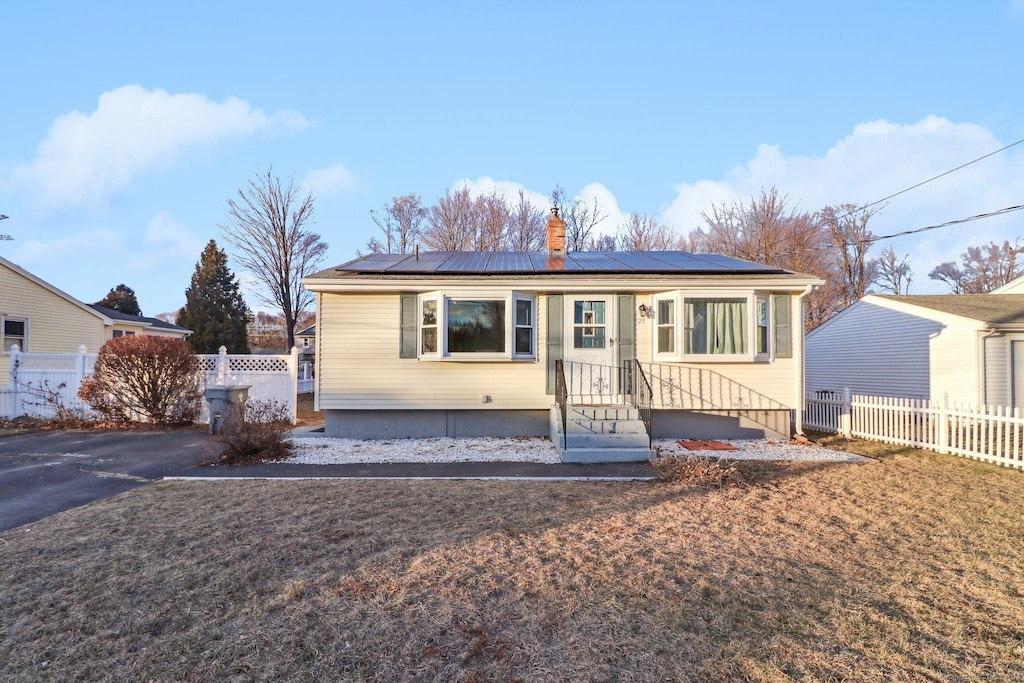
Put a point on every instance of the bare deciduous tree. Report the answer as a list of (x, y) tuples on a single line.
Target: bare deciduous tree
[(401, 222), (982, 269), (526, 226), (893, 272), (643, 232), (267, 228), (492, 221), (847, 228), (452, 222), (580, 216)]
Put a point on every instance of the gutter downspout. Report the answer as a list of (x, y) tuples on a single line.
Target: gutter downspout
[(798, 421)]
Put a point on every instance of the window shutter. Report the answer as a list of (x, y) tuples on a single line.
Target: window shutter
[(554, 342), (407, 348), (626, 338), (782, 337)]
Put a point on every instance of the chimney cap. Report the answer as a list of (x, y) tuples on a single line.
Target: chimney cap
[(554, 211)]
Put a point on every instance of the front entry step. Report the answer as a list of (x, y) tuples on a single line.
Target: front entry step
[(612, 433)]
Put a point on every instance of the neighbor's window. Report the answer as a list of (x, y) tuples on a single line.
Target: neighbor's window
[(121, 333), (15, 332), (482, 327)]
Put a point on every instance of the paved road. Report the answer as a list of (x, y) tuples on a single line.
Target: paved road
[(43, 474)]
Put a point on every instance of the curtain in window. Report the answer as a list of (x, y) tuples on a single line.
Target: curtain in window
[(716, 326)]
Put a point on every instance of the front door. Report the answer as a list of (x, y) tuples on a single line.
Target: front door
[(590, 371)]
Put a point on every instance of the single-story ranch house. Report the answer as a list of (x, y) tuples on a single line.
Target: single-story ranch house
[(471, 344)]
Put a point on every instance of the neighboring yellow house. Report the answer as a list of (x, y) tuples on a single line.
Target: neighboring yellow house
[(39, 318)]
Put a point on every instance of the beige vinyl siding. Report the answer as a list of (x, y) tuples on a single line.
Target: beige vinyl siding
[(726, 386), (55, 325), (870, 349), (359, 367)]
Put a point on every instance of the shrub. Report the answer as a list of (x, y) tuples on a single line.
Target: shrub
[(145, 378), (260, 437)]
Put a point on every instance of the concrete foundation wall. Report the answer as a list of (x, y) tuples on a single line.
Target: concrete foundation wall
[(725, 424), (414, 424)]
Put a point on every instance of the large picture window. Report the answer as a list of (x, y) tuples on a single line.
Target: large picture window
[(463, 326), (715, 326)]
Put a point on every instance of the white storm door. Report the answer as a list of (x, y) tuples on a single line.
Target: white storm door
[(590, 372)]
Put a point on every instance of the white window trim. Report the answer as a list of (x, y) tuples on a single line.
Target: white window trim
[(442, 297), (3, 327), (679, 297)]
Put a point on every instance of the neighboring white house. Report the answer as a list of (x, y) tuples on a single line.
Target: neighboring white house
[(967, 347), (305, 340), (458, 344), (40, 318)]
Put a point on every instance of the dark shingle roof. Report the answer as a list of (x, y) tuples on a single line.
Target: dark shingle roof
[(118, 315), (522, 263), (995, 309)]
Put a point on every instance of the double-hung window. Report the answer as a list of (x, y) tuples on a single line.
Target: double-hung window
[(15, 332), (469, 326), (711, 326)]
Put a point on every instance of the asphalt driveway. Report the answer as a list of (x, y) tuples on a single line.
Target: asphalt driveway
[(46, 473)]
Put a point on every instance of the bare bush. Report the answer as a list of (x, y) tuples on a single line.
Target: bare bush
[(145, 378), (698, 471), (260, 437)]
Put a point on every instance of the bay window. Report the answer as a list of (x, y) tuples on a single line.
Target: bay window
[(710, 326), (457, 326)]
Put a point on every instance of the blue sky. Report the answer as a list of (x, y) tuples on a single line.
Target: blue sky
[(127, 126)]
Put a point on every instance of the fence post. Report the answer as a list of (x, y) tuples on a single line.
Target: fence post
[(13, 411), (222, 365), (846, 415), (293, 372), (943, 425), (80, 371)]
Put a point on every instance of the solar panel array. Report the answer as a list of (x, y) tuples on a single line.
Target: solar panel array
[(505, 262)]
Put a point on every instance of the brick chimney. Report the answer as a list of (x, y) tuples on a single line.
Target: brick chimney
[(556, 235)]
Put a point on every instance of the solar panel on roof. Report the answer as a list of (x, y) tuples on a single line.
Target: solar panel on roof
[(510, 262), (374, 263), (465, 262), (428, 262), (599, 261)]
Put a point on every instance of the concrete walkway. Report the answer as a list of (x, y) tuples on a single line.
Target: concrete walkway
[(513, 471)]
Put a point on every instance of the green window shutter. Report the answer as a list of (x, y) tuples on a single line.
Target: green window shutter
[(554, 342), (782, 334), (626, 338), (407, 348)]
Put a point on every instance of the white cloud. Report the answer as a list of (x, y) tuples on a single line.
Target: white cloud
[(86, 156), (331, 181), (876, 160), (508, 189), (93, 246), (167, 243)]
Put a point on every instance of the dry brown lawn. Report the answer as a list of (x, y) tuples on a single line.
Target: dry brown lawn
[(909, 568)]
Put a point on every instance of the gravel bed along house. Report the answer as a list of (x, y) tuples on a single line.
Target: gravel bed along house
[(319, 450)]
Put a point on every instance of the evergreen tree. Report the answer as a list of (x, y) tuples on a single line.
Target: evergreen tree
[(121, 298), (214, 309)]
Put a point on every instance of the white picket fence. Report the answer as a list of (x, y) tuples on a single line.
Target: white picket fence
[(992, 434), (270, 377)]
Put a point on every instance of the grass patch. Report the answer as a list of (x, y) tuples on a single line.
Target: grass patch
[(908, 568)]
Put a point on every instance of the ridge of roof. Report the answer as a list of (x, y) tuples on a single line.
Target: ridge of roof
[(1000, 309), (127, 317)]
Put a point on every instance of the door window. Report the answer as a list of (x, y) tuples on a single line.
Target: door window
[(589, 325)]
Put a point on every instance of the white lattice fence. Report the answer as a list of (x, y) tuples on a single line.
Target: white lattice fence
[(270, 378)]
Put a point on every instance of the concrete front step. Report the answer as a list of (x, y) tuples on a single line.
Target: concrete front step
[(602, 413), (607, 440), (605, 427), (607, 454)]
